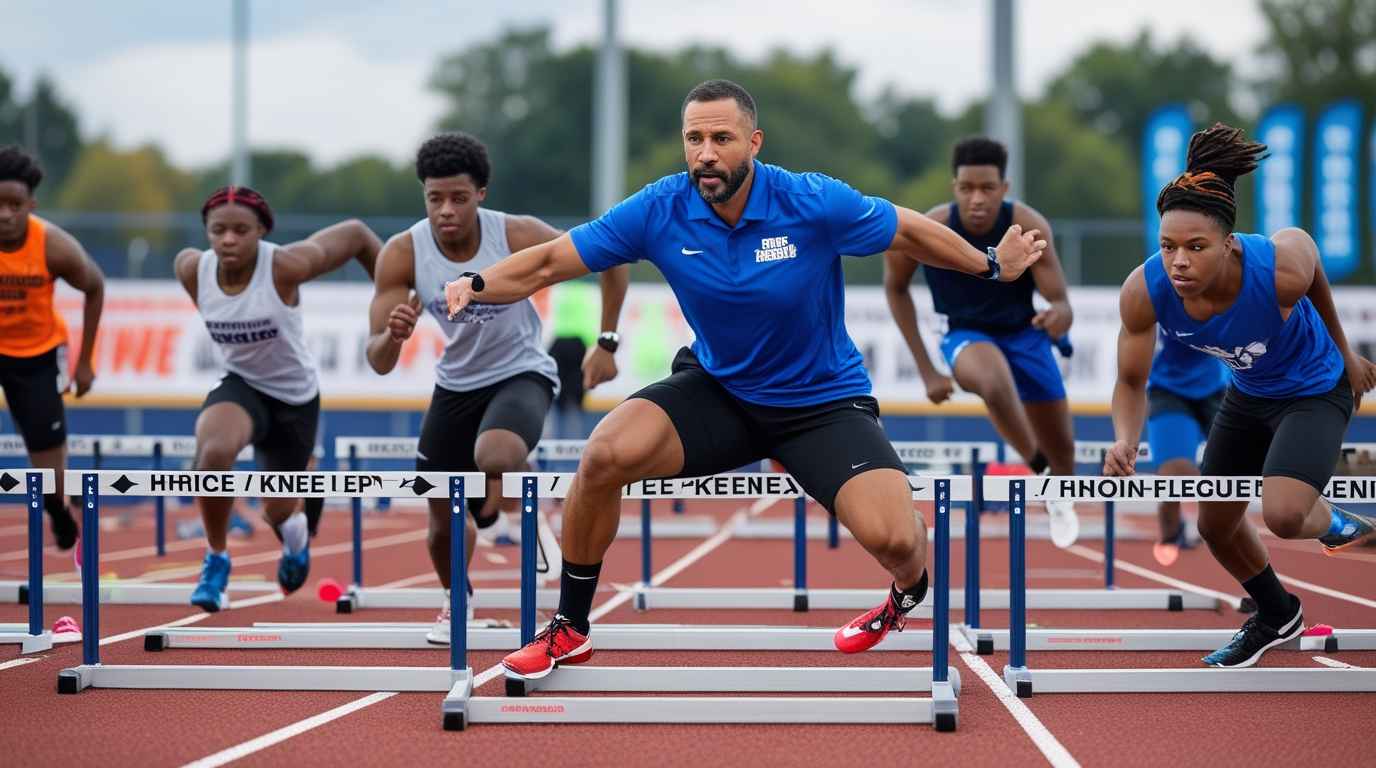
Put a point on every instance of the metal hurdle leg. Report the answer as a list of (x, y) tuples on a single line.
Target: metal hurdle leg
[(37, 638), (800, 602), (159, 507), (646, 570), (348, 601), (1015, 673)]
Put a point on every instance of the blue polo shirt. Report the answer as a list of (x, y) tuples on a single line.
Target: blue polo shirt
[(765, 298)]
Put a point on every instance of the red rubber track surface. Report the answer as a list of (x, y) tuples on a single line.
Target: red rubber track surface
[(126, 727)]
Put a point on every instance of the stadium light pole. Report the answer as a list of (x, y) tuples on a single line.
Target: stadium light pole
[(609, 116), (1003, 117), (239, 167)]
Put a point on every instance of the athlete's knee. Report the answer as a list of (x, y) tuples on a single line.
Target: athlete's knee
[(216, 453), (494, 460), (609, 460), (1285, 516), (894, 546)]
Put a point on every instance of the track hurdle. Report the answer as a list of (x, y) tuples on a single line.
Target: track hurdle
[(461, 708), (30, 484), (1024, 681), (98, 448), (114, 483)]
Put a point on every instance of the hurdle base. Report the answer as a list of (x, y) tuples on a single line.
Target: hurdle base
[(1155, 640), (1201, 680), (454, 707), (736, 680), (256, 678), (432, 598), (788, 598), (945, 707), (27, 643), (1018, 680), (612, 637), (700, 709)]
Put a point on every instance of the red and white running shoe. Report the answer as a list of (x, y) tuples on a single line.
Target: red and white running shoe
[(865, 631), (559, 643)]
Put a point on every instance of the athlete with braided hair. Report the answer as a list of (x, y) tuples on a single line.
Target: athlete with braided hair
[(247, 291), (1264, 307)]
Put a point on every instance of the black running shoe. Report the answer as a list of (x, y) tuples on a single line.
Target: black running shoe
[(1254, 639), (1356, 529), (64, 528)]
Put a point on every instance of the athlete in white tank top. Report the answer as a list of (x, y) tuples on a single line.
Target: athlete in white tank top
[(247, 291), (485, 348)]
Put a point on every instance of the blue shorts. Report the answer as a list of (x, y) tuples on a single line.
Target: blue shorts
[(1029, 355), (1177, 425)]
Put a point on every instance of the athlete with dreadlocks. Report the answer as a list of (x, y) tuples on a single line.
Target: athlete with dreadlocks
[(1264, 307), (247, 291)]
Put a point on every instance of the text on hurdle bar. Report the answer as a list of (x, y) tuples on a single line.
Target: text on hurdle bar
[(923, 452), (428, 485), (1163, 488), (120, 446), (742, 485), (14, 481)]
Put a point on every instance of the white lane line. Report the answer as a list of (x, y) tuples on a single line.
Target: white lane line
[(675, 568), (1089, 554), (21, 661), (1327, 662), (1326, 591), (1051, 748), (286, 732)]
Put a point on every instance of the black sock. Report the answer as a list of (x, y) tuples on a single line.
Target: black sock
[(65, 528), (480, 520), (1038, 463), (908, 599), (314, 507), (577, 586), (1275, 606)]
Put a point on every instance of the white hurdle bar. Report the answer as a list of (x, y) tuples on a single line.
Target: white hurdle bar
[(107, 483), (460, 707), (156, 449), (30, 484), (1024, 681)]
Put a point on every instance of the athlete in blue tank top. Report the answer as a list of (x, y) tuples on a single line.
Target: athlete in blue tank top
[(1262, 306), (997, 345), (752, 252), (1184, 392)]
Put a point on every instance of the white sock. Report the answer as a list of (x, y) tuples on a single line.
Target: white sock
[(219, 552), (295, 532)]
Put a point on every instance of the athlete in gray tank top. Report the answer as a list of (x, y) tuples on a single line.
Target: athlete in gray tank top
[(485, 413), (248, 292)]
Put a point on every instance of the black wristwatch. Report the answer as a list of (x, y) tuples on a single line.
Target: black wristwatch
[(609, 340), (994, 270), (478, 283)]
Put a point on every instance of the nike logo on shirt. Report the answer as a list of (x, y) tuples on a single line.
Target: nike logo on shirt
[(687, 252)]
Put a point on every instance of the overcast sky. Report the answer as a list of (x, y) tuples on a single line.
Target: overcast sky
[(341, 77)]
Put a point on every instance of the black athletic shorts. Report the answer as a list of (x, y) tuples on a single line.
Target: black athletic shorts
[(568, 352), (449, 432), (283, 434), (1298, 437), (822, 445), (1202, 410), (33, 394)]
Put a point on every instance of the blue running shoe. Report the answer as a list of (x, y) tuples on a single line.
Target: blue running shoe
[(293, 569), (1356, 529), (210, 590)]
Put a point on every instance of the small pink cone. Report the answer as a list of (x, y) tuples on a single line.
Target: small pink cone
[(328, 590)]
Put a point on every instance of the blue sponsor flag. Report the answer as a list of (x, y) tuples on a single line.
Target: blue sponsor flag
[(1371, 174), (1337, 164), (1164, 142), (1278, 179)]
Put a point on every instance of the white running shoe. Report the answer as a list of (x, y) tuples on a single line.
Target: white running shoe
[(439, 633), (1065, 523), (501, 532)]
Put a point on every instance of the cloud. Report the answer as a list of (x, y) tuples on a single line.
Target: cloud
[(320, 93)]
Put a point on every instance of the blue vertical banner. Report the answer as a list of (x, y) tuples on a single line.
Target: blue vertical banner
[(1278, 196), (1371, 197), (1337, 161), (1164, 142)]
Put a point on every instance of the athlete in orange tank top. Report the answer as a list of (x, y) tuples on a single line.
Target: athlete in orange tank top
[(33, 336)]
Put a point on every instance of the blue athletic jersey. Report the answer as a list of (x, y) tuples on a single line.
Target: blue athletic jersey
[(1184, 371), (765, 298), (1269, 357), (970, 301)]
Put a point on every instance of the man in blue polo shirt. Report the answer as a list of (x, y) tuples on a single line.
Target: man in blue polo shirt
[(752, 253)]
